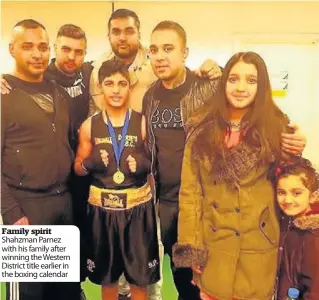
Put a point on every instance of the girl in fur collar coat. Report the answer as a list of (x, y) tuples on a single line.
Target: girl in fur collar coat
[(297, 196), (228, 230)]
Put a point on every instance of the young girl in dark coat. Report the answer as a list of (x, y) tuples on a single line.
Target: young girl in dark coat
[(297, 196)]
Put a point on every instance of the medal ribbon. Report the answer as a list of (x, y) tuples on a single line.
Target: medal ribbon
[(118, 149)]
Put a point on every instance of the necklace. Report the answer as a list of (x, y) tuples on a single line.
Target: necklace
[(235, 125)]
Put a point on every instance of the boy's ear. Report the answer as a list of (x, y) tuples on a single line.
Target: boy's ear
[(314, 197)]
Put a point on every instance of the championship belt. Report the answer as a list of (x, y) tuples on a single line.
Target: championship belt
[(118, 176)]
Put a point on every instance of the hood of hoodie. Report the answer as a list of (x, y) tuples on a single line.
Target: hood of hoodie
[(77, 87), (53, 73)]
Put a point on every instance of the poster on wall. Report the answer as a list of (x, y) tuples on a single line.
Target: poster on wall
[(279, 83)]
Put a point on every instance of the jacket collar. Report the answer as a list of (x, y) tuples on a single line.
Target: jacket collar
[(309, 221)]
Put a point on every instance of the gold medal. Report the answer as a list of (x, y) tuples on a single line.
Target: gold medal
[(118, 177)]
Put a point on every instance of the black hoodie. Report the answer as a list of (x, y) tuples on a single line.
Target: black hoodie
[(80, 107), (77, 87)]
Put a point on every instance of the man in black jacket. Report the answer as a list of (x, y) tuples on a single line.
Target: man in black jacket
[(36, 156), (70, 72), (166, 105)]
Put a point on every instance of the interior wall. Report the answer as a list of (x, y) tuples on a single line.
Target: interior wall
[(90, 16), (210, 26)]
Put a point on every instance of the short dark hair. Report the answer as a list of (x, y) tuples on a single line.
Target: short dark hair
[(124, 13), (72, 31), (111, 67), (29, 24), (171, 25), (301, 167)]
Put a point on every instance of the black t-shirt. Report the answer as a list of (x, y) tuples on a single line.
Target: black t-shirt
[(41, 92), (169, 138)]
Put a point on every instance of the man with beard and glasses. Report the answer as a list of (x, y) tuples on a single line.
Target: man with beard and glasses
[(124, 38)]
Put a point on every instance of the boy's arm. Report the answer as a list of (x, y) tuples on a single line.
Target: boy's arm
[(84, 149)]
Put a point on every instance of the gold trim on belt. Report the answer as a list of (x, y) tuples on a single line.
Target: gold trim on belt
[(119, 199)]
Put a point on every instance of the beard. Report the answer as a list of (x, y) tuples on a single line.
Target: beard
[(131, 51)]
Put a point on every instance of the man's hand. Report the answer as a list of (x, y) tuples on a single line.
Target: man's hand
[(5, 88), (293, 143), (197, 269), (131, 163), (209, 69), (22, 221)]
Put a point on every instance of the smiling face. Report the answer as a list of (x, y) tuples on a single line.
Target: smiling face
[(241, 86), (293, 197), (167, 54), (116, 90), (30, 49)]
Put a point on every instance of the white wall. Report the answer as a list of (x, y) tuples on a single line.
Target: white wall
[(210, 26)]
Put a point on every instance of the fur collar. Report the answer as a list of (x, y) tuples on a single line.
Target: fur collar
[(237, 162), (308, 222)]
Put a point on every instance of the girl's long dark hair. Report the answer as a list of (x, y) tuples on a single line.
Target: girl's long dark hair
[(266, 121)]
